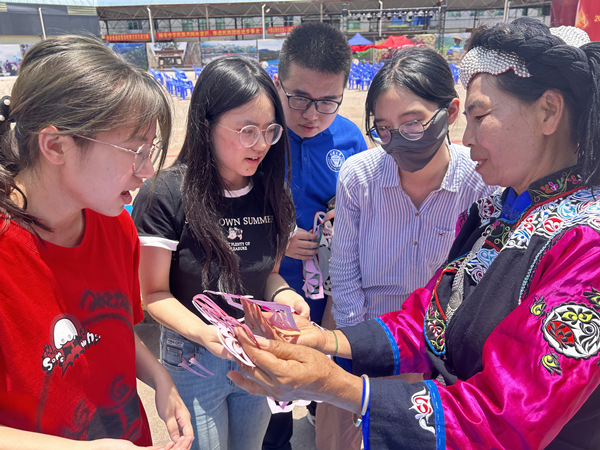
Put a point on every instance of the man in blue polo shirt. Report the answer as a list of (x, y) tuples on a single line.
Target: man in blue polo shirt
[(314, 65)]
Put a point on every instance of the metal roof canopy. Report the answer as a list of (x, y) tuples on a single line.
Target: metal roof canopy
[(180, 9), (165, 9), (216, 9)]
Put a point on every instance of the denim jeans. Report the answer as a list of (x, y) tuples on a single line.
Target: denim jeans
[(223, 415)]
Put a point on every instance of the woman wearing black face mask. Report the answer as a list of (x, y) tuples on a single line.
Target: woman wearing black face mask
[(414, 144), (397, 204)]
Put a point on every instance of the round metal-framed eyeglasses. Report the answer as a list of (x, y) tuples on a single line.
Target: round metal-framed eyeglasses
[(250, 134), (143, 152), (412, 130)]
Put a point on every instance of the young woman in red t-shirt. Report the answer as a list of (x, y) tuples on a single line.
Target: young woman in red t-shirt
[(81, 129)]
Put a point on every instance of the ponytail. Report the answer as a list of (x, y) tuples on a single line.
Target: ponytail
[(9, 208), (589, 126)]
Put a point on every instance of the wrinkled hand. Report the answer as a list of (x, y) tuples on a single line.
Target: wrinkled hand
[(174, 413), (283, 371), (303, 245), (310, 335)]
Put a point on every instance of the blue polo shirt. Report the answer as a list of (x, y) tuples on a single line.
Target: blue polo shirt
[(316, 163)]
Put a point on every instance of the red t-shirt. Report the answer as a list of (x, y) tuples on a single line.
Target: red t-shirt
[(67, 349)]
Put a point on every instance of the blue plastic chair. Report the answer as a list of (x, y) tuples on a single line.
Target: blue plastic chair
[(179, 73), (183, 87), (170, 83), (365, 82), (455, 69), (157, 76), (197, 71)]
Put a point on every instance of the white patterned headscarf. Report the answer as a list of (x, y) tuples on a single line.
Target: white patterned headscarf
[(572, 36), (483, 60)]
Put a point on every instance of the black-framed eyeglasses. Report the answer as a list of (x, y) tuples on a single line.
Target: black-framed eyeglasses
[(142, 153), (413, 130), (250, 134), (302, 103)]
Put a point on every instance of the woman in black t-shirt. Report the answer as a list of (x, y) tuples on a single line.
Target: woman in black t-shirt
[(218, 219)]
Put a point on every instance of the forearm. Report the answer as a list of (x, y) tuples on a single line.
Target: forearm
[(169, 405), (12, 438), (155, 267), (148, 369), (169, 311), (341, 345), (344, 390), (274, 283)]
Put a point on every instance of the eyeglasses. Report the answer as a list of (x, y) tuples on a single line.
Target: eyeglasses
[(142, 153), (301, 103), (413, 130), (250, 134)]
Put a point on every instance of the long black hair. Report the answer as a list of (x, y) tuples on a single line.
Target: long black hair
[(574, 71), (418, 69), (225, 84)]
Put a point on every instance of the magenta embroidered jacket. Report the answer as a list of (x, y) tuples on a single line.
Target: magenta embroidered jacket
[(518, 364)]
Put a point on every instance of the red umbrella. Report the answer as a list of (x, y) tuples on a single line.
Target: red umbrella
[(395, 42)]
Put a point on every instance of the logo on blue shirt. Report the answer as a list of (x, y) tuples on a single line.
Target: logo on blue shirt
[(335, 158)]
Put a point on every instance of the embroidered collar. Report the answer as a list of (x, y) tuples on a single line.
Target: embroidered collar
[(539, 192), (555, 185), (513, 206)]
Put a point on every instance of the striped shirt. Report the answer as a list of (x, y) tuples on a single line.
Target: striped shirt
[(383, 246)]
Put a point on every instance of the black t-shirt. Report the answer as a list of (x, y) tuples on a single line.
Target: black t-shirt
[(246, 223)]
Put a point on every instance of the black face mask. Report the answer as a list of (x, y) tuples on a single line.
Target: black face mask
[(414, 155)]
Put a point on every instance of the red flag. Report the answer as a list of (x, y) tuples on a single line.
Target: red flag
[(588, 18), (563, 12)]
